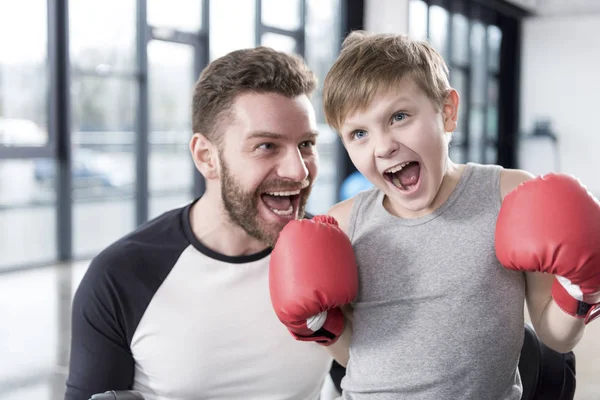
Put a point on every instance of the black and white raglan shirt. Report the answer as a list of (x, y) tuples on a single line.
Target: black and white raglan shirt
[(160, 313)]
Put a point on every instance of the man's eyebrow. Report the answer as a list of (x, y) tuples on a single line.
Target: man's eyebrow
[(276, 135)]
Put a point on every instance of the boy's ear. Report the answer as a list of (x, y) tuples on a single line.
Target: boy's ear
[(205, 156), (450, 111)]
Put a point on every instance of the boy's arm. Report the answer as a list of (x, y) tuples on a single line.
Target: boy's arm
[(340, 350), (557, 329)]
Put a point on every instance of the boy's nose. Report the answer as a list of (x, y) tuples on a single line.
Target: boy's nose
[(385, 146)]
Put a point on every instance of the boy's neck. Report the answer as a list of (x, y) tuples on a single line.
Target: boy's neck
[(449, 183)]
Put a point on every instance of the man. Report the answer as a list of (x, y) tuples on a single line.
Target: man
[(180, 308)]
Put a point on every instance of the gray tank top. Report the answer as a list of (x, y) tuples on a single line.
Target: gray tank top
[(437, 316)]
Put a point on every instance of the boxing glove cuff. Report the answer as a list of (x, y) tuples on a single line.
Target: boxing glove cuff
[(572, 306), (329, 333)]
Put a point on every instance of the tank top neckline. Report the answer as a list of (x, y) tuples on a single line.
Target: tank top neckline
[(456, 192)]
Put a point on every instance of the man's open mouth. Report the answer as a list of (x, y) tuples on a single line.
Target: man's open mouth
[(282, 203), (404, 176)]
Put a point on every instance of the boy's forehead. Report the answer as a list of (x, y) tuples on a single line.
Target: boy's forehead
[(405, 91)]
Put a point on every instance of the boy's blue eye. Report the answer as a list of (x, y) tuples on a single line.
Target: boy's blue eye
[(359, 134), (399, 117)]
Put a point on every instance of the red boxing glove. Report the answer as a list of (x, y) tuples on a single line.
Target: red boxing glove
[(312, 273), (552, 224)]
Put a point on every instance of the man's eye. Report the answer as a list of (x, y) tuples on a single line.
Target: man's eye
[(399, 117), (358, 134), (266, 146), (307, 144)]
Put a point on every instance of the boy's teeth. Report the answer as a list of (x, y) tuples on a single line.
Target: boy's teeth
[(289, 211), (397, 168), (292, 193), (396, 182)]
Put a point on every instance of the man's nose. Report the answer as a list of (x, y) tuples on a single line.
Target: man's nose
[(293, 167), (385, 145)]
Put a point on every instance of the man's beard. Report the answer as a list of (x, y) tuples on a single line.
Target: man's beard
[(242, 205)]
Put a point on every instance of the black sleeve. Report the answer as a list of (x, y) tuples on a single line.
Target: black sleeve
[(100, 358), (337, 373)]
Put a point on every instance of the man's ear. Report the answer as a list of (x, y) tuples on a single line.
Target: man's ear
[(450, 111), (205, 156)]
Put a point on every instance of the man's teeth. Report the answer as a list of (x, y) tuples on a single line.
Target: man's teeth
[(283, 213), (292, 193), (397, 168)]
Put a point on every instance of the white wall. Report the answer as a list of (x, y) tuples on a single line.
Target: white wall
[(386, 16), (560, 81)]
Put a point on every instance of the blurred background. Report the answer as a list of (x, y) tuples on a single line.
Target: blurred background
[(95, 120)]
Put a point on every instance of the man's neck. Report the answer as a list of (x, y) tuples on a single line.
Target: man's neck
[(212, 228)]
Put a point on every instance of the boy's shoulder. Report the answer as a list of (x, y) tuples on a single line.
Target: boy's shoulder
[(510, 179), (342, 211)]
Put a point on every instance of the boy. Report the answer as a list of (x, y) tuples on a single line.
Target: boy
[(446, 254)]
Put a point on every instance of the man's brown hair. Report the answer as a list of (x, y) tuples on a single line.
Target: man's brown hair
[(256, 70), (372, 63)]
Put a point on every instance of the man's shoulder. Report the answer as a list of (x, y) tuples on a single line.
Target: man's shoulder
[(154, 244)]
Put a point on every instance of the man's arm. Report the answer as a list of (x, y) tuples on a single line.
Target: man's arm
[(340, 350), (100, 358), (557, 329)]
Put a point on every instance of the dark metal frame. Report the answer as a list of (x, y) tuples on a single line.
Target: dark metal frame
[(297, 35), (59, 114), (200, 42), (53, 32), (506, 17), (59, 104), (61, 123)]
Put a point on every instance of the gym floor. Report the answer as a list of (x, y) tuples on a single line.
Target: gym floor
[(35, 326)]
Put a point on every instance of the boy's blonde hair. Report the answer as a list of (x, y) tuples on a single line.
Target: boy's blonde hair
[(369, 64)]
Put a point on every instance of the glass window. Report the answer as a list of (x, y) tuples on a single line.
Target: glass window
[(491, 154), (283, 14), (458, 81), (231, 30), (103, 159), (279, 42), (23, 73), (478, 65), (476, 137), (322, 38), (185, 16), (492, 109), (417, 19), (171, 82), (102, 35), (494, 42), (457, 153), (460, 39), (27, 212), (322, 35), (438, 29)]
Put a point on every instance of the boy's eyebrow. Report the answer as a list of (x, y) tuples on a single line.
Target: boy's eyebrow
[(392, 107)]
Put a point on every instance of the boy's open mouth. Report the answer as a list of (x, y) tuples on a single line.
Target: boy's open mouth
[(404, 176)]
